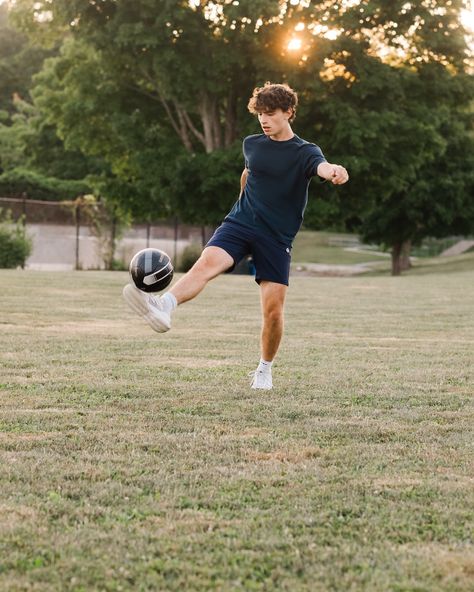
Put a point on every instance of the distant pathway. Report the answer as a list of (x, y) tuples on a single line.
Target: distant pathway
[(458, 249), (321, 269)]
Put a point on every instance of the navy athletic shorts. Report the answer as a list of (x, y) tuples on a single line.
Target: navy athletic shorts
[(270, 257)]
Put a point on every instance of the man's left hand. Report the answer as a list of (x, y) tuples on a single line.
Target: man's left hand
[(339, 175)]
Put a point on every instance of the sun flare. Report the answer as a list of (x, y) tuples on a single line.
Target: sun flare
[(467, 19), (294, 44)]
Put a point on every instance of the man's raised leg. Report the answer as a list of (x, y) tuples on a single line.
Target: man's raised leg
[(157, 311), (212, 262)]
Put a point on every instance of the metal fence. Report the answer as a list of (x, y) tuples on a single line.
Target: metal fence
[(64, 238)]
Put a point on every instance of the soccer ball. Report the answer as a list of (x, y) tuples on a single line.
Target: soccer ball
[(151, 270)]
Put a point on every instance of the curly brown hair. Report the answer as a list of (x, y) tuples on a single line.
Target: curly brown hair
[(273, 96)]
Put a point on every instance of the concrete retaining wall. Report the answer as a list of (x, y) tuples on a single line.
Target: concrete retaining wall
[(54, 246)]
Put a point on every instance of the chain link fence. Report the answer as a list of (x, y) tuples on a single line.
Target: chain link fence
[(80, 235)]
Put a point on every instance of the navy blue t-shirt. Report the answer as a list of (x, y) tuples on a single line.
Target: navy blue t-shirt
[(276, 192)]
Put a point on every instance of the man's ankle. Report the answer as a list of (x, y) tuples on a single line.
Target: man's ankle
[(265, 365), (169, 302)]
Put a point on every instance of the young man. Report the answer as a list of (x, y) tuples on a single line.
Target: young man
[(263, 222)]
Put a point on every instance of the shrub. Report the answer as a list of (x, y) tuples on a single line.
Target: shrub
[(118, 265), (17, 181), (188, 257), (15, 245)]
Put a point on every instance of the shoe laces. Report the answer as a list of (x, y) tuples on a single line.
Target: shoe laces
[(254, 373), (259, 374)]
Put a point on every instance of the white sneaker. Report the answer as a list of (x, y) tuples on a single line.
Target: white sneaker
[(261, 380), (148, 307)]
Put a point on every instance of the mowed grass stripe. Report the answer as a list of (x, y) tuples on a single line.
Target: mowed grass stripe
[(136, 461)]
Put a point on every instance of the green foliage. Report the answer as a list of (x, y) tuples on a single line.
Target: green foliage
[(428, 180), (19, 61), (118, 265), (32, 158), (15, 245), (188, 257), (202, 187), (388, 97), (400, 124), (15, 134), (107, 124), (19, 181), (27, 140)]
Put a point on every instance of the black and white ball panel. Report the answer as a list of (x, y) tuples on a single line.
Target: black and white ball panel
[(151, 270)]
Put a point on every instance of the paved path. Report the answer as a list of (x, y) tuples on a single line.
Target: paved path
[(458, 249)]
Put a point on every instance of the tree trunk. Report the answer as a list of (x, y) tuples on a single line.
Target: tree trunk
[(230, 118), (405, 255), (183, 129), (396, 258), (179, 126), (206, 123), (209, 111)]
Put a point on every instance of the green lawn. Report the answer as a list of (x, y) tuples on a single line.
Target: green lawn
[(443, 265), (328, 248), (136, 461)]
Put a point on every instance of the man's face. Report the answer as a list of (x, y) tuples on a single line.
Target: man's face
[(273, 122)]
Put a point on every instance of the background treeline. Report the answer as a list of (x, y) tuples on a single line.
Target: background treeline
[(143, 103)]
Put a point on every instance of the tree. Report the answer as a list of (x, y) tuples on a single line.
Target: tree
[(96, 112), (434, 195), (162, 50), (383, 84), (138, 94), (395, 106), (19, 61), (33, 160)]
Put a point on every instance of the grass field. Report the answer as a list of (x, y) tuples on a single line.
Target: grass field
[(328, 248), (322, 247), (136, 461)]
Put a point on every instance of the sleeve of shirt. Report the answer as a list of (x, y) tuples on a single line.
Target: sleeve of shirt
[(312, 159)]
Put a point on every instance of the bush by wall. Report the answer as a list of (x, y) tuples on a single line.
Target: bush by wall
[(15, 245), (188, 257)]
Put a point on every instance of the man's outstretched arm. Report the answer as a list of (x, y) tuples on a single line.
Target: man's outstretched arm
[(335, 173)]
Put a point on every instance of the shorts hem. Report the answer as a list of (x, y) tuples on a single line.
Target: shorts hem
[(232, 267), (274, 281)]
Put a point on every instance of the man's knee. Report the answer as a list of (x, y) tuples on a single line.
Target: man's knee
[(273, 314), (212, 262), (202, 266)]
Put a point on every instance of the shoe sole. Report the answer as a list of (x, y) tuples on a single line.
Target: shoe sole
[(137, 301)]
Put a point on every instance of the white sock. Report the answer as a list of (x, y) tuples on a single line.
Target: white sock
[(169, 302), (264, 366)]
